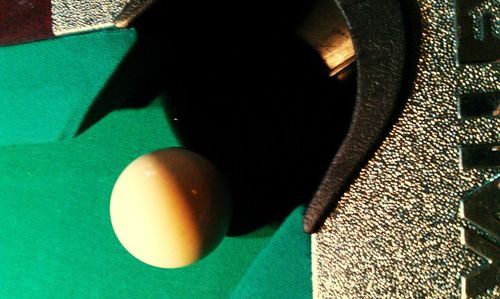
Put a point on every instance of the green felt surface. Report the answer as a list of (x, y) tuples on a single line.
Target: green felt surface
[(283, 268), (56, 238), (52, 83)]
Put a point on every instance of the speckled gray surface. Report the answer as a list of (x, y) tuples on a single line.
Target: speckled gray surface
[(70, 16), (396, 231)]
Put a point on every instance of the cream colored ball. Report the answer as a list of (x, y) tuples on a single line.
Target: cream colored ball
[(170, 208)]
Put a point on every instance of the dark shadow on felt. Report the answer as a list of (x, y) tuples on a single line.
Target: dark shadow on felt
[(259, 104)]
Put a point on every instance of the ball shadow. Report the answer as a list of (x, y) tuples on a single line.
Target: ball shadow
[(261, 106), (244, 92)]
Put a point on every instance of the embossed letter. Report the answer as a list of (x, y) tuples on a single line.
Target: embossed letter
[(478, 25), (482, 209)]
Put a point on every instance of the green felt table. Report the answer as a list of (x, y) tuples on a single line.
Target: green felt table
[(56, 239)]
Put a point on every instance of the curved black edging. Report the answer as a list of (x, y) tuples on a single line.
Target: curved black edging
[(379, 35)]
